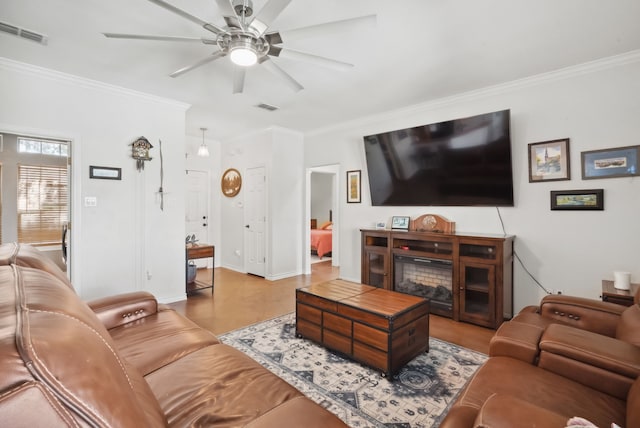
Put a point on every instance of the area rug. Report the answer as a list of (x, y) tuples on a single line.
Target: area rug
[(419, 396)]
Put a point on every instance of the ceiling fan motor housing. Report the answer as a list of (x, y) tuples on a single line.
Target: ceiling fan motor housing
[(243, 7)]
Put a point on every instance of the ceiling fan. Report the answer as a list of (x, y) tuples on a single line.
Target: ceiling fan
[(246, 41)]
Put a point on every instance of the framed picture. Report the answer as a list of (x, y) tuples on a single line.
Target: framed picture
[(353, 187), (610, 163), (105, 172), (400, 222), (592, 199), (231, 182), (381, 225), (549, 161)]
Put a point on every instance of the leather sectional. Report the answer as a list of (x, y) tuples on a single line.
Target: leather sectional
[(124, 361), (568, 357)]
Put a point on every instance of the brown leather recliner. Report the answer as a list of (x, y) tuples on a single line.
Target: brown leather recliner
[(567, 357), (124, 361)]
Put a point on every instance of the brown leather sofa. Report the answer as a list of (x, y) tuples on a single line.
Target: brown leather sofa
[(567, 357), (124, 361)]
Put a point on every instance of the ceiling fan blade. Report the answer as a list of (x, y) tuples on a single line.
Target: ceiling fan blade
[(238, 79), (163, 38), (318, 30), (286, 77), (212, 57), (206, 25), (314, 59), (267, 15), (230, 16)]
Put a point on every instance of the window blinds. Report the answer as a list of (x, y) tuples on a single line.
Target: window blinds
[(42, 203)]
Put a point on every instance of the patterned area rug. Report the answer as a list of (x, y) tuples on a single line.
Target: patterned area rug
[(418, 396)]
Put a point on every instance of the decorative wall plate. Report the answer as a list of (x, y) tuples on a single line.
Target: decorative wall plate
[(231, 182)]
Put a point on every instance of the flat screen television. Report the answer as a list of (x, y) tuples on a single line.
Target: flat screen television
[(461, 162)]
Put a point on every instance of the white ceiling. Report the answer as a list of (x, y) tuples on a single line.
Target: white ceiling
[(419, 50)]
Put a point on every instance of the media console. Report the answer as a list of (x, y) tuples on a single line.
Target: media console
[(467, 277)]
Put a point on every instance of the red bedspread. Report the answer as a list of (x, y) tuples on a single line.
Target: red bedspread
[(321, 241)]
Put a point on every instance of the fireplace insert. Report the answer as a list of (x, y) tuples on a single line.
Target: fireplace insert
[(425, 277)]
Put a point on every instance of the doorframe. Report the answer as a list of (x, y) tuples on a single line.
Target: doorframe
[(334, 171), (74, 257)]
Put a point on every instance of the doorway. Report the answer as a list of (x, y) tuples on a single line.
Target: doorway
[(330, 172)]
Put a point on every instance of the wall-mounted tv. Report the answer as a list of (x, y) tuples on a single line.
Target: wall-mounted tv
[(461, 162)]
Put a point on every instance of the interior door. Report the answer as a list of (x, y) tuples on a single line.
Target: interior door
[(197, 208), (255, 219)]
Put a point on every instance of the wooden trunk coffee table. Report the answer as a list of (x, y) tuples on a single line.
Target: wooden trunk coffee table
[(380, 328)]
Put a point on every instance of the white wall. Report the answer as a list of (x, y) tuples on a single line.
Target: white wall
[(280, 152), (321, 191), (595, 105), (126, 242)]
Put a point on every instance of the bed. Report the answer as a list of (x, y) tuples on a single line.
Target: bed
[(321, 240)]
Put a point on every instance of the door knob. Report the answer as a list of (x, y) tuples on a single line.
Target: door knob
[(247, 226)]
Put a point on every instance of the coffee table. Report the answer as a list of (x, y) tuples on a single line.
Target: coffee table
[(380, 328)]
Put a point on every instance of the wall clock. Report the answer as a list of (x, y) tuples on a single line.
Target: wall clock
[(231, 182)]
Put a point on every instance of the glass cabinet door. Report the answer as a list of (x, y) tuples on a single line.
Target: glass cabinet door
[(477, 293), (376, 269)]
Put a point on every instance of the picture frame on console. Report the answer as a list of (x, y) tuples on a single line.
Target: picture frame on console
[(400, 222), (610, 163), (354, 187), (549, 161), (591, 199)]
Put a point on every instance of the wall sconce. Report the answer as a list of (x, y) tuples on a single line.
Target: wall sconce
[(203, 150)]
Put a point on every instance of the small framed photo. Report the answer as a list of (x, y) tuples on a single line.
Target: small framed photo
[(610, 163), (105, 172), (400, 222), (592, 199), (353, 187), (549, 161), (381, 225)]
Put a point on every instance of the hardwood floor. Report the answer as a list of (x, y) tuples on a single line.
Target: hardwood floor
[(241, 299)]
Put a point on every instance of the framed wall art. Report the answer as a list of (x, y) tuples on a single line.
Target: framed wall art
[(592, 199), (549, 161), (231, 182), (353, 187), (610, 163), (105, 172)]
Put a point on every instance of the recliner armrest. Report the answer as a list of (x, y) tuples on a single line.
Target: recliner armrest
[(503, 411), (114, 311), (586, 314)]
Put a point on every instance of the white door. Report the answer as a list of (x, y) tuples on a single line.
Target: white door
[(197, 208), (255, 219)]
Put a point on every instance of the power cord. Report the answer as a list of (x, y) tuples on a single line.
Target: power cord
[(518, 257)]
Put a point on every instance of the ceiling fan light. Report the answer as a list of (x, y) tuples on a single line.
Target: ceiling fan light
[(243, 56)]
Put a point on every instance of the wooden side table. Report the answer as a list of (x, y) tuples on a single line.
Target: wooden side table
[(620, 297), (195, 251)]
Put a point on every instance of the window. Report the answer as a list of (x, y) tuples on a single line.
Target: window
[(44, 147), (43, 194)]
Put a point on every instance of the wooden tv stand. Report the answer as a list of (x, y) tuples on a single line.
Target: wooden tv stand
[(481, 269)]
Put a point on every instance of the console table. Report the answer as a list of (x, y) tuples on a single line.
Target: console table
[(195, 251), (476, 268)]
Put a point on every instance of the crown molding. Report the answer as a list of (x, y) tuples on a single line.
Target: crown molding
[(46, 73), (502, 88)]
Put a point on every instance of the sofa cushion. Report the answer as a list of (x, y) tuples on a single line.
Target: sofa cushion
[(629, 325), (70, 353), (502, 411), (555, 393), (29, 256), (235, 391), (159, 339)]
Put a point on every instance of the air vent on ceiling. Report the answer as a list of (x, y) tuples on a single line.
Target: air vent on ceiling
[(268, 107), (21, 32)]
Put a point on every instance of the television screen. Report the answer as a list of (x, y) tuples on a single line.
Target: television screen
[(461, 162)]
